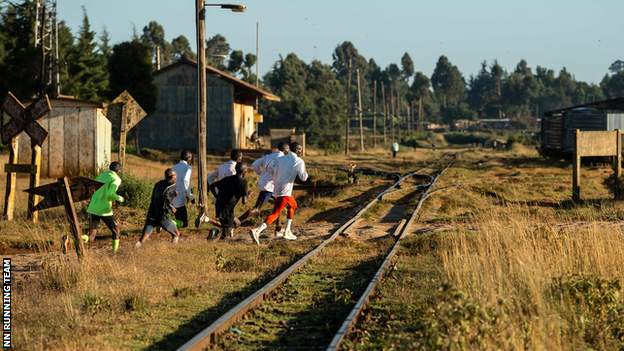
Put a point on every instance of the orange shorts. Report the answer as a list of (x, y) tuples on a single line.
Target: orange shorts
[(280, 203)]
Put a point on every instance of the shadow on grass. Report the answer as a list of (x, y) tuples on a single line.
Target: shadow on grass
[(340, 214), (400, 208)]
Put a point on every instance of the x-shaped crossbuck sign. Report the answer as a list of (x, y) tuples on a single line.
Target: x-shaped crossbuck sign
[(25, 119)]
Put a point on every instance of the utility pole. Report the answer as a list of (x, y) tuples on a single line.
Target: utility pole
[(392, 112), (385, 112), (158, 57), (421, 124), (257, 54), (257, 125), (360, 111), (202, 104), (374, 114), (348, 124)]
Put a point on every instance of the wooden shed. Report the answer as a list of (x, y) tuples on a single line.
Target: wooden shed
[(231, 116), (558, 126), (78, 142)]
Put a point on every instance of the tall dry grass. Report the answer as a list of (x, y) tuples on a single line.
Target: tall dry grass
[(548, 277)]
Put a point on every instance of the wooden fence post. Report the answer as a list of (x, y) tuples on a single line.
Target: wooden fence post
[(34, 182), (576, 172), (72, 216), (618, 165), (123, 134), (9, 195)]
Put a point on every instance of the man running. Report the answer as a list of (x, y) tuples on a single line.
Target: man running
[(161, 210), (101, 204), (285, 171), (224, 170), (228, 192), (265, 182), (183, 171)]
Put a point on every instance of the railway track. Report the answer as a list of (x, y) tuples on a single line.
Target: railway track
[(364, 265)]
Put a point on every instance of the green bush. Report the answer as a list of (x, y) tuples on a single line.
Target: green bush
[(596, 308), (137, 192)]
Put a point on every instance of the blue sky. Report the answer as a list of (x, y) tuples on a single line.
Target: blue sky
[(585, 36)]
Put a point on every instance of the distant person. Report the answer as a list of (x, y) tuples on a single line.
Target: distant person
[(228, 191), (183, 171), (265, 182), (224, 170), (255, 140), (285, 171), (161, 212), (395, 149), (101, 205)]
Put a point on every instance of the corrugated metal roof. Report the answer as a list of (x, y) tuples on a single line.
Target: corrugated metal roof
[(616, 104), (241, 83)]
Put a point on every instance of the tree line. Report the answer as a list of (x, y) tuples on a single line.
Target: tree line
[(316, 97)]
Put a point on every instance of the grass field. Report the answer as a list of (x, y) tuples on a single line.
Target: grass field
[(501, 259), (504, 260)]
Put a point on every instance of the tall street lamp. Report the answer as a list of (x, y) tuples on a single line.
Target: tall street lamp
[(202, 104)]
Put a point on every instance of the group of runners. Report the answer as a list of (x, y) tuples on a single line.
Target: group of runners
[(277, 172)]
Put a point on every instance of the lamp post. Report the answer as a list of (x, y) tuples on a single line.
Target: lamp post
[(202, 103)]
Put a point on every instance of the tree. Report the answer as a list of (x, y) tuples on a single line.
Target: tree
[(19, 68), (617, 67), (312, 100), (613, 85), (248, 64), (154, 37), (407, 66), (130, 68), (88, 77), (217, 50), (449, 87), (66, 49), (235, 63), (182, 48), (104, 45)]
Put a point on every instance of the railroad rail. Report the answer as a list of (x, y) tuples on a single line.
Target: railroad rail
[(209, 335), (401, 232)]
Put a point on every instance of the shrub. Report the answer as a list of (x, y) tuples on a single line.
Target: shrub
[(137, 192), (93, 303), (596, 306), (60, 275), (135, 302)]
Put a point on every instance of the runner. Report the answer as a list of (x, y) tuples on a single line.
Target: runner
[(183, 171), (285, 171), (161, 210), (101, 205), (265, 183), (228, 192), (224, 170)]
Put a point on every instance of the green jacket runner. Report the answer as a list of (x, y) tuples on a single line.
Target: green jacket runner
[(102, 200)]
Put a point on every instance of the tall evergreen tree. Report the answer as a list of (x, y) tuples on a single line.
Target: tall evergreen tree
[(407, 66), (450, 87), (88, 77), (20, 66), (130, 68)]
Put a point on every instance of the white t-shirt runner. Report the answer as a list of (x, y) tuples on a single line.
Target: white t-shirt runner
[(225, 170), (260, 166), (183, 183), (284, 171)]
